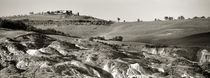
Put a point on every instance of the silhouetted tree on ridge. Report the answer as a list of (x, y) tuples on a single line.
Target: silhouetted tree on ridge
[(181, 18), (118, 19)]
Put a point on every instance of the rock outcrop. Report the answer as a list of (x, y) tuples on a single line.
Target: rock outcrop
[(38, 56)]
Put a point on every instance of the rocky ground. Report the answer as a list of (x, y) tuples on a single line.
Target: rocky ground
[(35, 55)]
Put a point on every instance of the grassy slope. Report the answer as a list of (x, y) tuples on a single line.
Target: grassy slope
[(84, 31), (52, 17), (160, 29), (11, 33), (154, 32), (202, 39)]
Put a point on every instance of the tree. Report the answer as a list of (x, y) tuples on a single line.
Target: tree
[(156, 19), (181, 18), (48, 12), (31, 13), (203, 17), (170, 18), (138, 20), (69, 12), (166, 18), (124, 21), (57, 12), (195, 17), (77, 13), (118, 19), (117, 38)]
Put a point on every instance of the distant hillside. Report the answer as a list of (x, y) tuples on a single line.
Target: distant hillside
[(150, 32), (202, 39), (155, 31), (63, 17)]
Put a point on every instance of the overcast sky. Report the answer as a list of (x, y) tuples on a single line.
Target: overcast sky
[(111, 9)]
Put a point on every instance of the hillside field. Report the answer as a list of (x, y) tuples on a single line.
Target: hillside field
[(160, 32)]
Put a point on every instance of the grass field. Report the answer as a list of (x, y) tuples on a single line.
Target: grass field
[(84, 31), (152, 32)]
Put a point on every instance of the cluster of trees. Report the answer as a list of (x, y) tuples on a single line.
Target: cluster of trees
[(67, 22), (182, 18), (98, 38), (168, 18), (68, 12), (118, 19), (157, 19), (202, 17), (116, 38)]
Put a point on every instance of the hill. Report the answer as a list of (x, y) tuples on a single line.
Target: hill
[(31, 54), (202, 39), (149, 32), (157, 32), (60, 17)]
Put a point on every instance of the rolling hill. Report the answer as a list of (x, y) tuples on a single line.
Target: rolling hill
[(60, 17), (150, 32), (29, 52), (202, 39), (158, 32)]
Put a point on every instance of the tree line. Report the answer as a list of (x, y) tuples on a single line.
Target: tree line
[(168, 18)]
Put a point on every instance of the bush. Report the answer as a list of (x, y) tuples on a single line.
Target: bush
[(117, 38), (99, 38)]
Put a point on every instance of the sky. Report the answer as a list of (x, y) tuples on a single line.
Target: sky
[(129, 10)]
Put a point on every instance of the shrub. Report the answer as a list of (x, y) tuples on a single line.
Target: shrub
[(117, 38), (99, 38)]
